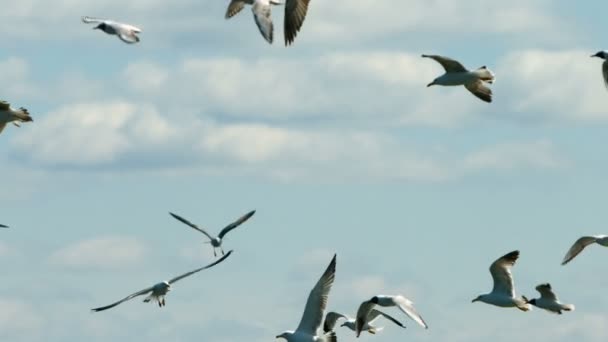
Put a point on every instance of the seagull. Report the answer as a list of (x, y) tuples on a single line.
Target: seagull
[(295, 13), (603, 55), (456, 74), (583, 242), (548, 300), (261, 14), (313, 312), (160, 290), (332, 317), (216, 242), (503, 293), (3, 226), (127, 33), (406, 305), (8, 114)]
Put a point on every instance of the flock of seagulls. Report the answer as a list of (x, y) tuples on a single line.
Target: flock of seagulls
[(368, 313)]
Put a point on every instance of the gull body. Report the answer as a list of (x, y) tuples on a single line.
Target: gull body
[(582, 243), (215, 241), (603, 55), (503, 292), (404, 304), (9, 114), (261, 14), (158, 291), (549, 301), (457, 75), (311, 320), (126, 32), (332, 317)]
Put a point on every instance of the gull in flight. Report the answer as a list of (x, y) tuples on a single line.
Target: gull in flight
[(160, 290), (261, 14), (127, 33), (313, 312), (549, 301), (9, 114), (456, 75), (295, 13), (216, 242), (332, 317), (404, 304), (583, 242), (503, 293), (603, 55)]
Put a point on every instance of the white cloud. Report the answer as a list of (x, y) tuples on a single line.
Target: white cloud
[(521, 155), (100, 253), (19, 321)]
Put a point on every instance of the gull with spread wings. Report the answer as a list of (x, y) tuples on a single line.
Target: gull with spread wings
[(261, 14), (583, 242), (9, 114), (548, 300), (332, 317), (127, 33), (160, 290), (307, 331), (404, 304), (503, 293), (457, 75), (216, 242)]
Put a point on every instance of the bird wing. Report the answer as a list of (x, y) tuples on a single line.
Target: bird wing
[(546, 292), (450, 65), (407, 306), (375, 314), (234, 8), (1, 225), (605, 72), (501, 273), (2, 125), (317, 301), (235, 224), (89, 20), (330, 320), (479, 89), (4, 105), (192, 225), (129, 297), (362, 315), (199, 269), (578, 247), (295, 13), (262, 15), (128, 36)]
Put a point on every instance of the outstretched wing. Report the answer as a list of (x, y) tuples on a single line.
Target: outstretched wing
[(139, 293), (190, 224), (330, 320), (199, 269), (450, 65), (1, 225), (317, 301), (262, 15), (407, 306), (128, 37), (362, 315), (501, 273), (605, 72), (375, 314), (2, 125), (235, 224), (234, 8), (480, 90), (90, 20), (546, 292), (295, 13), (578, 247)]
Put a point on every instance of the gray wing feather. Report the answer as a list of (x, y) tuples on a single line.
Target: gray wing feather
[(190, 224), (236, 223), (317, 301), (199, 269), (129, 297)]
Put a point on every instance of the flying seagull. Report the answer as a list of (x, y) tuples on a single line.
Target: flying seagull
[(160, 290), (549, 301), (313, 312), (9, 114), (3, 226), (404, 304), (603, 55), (503, 293), (456, 75), (295, 13), (583, 242), (216, 242), (127, 33), (332, 317), (261, 14)]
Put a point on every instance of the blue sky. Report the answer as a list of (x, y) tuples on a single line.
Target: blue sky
[(335, 141)]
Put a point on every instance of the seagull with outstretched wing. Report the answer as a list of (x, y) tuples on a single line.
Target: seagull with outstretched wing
[(126, 32), (548, 300), (9, 114), (583, 242), (262, 14)]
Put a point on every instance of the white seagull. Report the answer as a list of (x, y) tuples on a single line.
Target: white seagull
[(216, 242), (603, 55), (295, 13), (456, 75), (127, 33), (160, 290), (549, 301), (261, 14), (9, 114), (406, 305), (332, 317), (503, 293), (307, 331), (583, 242)]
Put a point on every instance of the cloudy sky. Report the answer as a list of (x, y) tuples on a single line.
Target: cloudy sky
[(335, 141)]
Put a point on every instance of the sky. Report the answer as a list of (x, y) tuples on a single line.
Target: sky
[(336, 143)]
